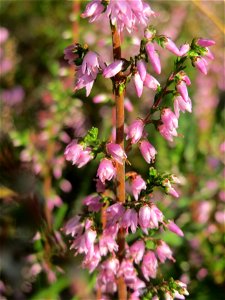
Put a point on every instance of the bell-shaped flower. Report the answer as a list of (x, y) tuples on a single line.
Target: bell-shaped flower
[(137, 185), (141, 66), (117, 152), (170, 45), (93, 202), (113, 69), (181, 105), (151, 82), (106, 170), (137, 251), (91, 64), (138, 83), (130, 219), (147, 151), (144, 218), (149, 265), (93, 10), (153, 57), (164, 252), (174, 228), (182, 90), (201, 64), (135, 131), (205, 42)]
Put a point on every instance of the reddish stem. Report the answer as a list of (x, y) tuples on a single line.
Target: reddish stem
[(120, 178)]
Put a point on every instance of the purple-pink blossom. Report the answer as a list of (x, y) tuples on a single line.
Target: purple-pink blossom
[(142, 70), (116, 152), (138, 83), (137, 251), (113, 69), (93, 10), (174, 228), (205, 42), (147, 151), (137, 185), (129, 219), (153, 57), (151, 82), (181, 105), (149, 265), (164, 252), (93, 202), (135, 131), (106, 170), (74, 152)]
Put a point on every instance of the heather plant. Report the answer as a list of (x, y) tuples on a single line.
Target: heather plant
[(119, 230)]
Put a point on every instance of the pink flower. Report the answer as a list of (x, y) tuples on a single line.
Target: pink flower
[(73, 227), (135, 131), (170, 45), (151, 82), (85, 242), (138, 83), (167, 133), (169, 119), (4, 34), (92, 260), (169, 189), (127, 14), (182, 90), (101, 98), (205, 42), (137, 185), (181, 105), (149, 265), (184, 49), (164, 252), (147, 151), (84, 158), (116, 151), (114, 213), (91, 64), (174, 228), (141, 66), (144, 218), (137, 251), (153, 57), (113, 69), (107, 241), (128, 105), (84, 81), (129, 273), (201, 65), (93, 202), (156, 216), (74, 152), (106, 170), (93, 10), (69, 54), (129, 219)]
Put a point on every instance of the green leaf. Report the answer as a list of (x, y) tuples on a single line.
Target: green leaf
[(91, 136)]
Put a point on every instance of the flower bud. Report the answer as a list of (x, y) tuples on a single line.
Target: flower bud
[(113, 69), (153, 57)]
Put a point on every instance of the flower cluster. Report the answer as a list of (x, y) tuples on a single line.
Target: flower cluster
[(97, 231)]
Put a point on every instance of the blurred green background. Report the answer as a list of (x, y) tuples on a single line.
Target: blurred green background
[(40, 114)]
